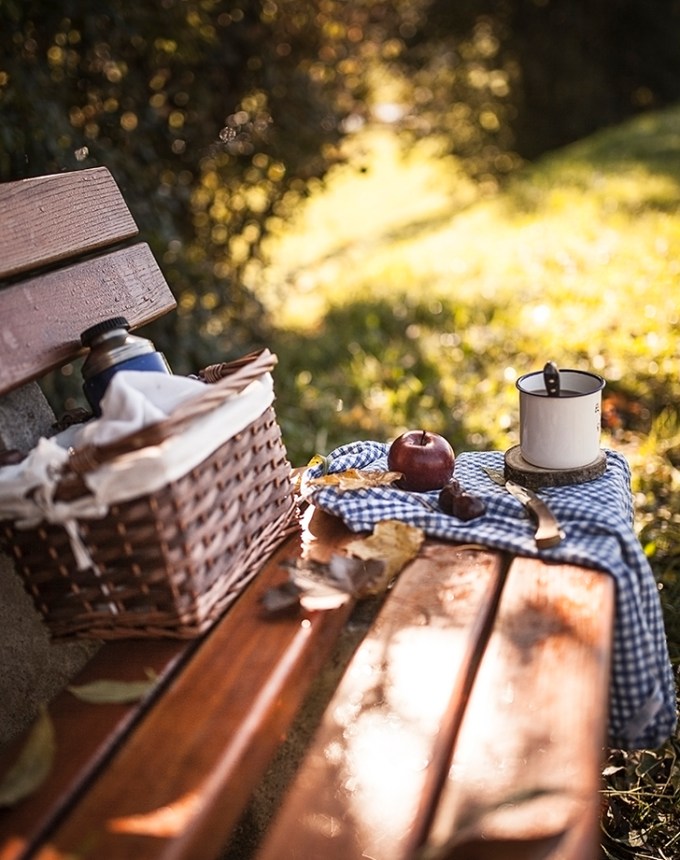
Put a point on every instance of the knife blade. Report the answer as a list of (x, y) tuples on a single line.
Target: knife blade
[(548, 532)]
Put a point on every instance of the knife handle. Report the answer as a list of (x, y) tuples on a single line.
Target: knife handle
[(548, 531)]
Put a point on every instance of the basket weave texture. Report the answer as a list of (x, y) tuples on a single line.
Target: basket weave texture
[(169, 563)]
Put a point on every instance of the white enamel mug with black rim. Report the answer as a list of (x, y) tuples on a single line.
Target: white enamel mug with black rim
[(560, 430)]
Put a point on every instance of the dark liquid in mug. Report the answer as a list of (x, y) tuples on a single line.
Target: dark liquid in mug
[(564, 392)]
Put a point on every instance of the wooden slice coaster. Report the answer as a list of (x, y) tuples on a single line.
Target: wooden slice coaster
[(517, 469)]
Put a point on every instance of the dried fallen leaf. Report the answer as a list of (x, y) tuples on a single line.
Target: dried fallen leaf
[(371, 565), (324, 585), (166, 821), (320, 460), (113, 692), (392, 542), (348, 576), (320, 597), (355, 479), (281, 598), (33, 764)]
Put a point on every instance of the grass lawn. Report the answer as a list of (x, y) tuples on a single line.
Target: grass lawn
[(406, 296)]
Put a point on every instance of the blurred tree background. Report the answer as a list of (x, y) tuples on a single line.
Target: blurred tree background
[(217, 116)]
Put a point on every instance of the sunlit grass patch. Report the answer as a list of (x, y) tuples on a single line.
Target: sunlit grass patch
[(575, 262), (389, 278), (384, 194)]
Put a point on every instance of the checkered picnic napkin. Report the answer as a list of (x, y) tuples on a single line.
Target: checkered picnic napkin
[(597, 518)]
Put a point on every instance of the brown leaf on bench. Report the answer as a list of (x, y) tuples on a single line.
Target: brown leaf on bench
[(479, 848), (373, 563), (167, 821), (392, 542), (282, 598), (33, 764), (323, 585), (327, 585), (526, 825), (108, 691), (355, 479)]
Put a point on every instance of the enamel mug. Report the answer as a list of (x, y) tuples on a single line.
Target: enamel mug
[(560, 418)]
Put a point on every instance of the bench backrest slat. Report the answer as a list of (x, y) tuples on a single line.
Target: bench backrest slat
[(41, 318), (62, 276), (57, 217)]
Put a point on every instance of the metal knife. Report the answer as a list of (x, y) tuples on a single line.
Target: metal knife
[(548, 531)]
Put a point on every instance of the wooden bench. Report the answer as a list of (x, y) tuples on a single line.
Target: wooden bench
[(470, 720)]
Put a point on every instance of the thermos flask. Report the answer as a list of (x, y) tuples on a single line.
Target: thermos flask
[(113, 348)]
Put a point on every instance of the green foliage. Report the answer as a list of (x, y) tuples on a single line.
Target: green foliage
[(212, 117), (598, 60)]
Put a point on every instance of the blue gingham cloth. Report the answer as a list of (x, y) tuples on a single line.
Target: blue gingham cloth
[(597, 518)]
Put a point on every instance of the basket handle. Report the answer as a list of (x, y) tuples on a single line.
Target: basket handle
[(226, 379)]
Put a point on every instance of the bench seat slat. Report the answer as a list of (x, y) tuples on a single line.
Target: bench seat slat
[(41, 317), (52, 218), (186, 773), (527, 763), (79, 754), (358, 791)]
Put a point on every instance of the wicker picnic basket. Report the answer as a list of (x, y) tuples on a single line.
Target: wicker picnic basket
[(169, 563)]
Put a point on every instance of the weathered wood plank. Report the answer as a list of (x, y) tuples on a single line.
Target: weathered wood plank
[(79, 753), (181, 781), (527, 767), (51, 218), (41, 318), (358, 792)]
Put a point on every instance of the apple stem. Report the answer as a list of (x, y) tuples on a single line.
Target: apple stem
[(422, 438)]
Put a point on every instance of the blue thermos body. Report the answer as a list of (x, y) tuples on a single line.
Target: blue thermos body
[(113, 348)]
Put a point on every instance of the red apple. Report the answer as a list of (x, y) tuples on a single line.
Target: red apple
[(424, 459)]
